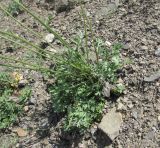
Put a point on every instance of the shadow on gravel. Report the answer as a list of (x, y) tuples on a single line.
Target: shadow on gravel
[(102, 140)]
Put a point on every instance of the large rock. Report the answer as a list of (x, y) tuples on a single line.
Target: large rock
[(111, 123), (107, 9), (63, 5), (59, 5)]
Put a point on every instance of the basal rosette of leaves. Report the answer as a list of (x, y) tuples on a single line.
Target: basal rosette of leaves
[(79, 83)]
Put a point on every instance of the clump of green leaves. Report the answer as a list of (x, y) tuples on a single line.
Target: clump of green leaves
[(13, 8), (5, 82), (79, 84), (10, 108)]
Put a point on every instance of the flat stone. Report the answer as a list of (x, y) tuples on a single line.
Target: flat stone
[(153, 77), (121, 107), (159, 118), (135, 114), (106, 90), (126, 46), (21, 132), (106, 10), (111, 124), (157, 52), (144, 47)]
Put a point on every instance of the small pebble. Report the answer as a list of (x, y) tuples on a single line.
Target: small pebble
[(130, 105), (157, 52), (134, 114), (120, 106), (26, 108), (144, 47), (108, 43), (159, 118), (32, 101), (49, 38)]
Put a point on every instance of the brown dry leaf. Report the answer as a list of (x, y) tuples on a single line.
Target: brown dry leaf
[(21, 132)]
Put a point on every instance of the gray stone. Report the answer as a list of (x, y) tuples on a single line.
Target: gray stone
[(63, 5), (153, 77), (158, 118), (157, 52), (126, 46), (22, 83), (130, 105), (106, 10), (121, 107), (49, 38), (111, 124), (135, 114), (32, 101), (106, 90), (44, 124), (144, 47)]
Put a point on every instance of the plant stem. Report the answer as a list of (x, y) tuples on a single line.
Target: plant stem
[(65, 43), (86, 35), (25, 41), (21, 24), (25, 63), (22, 45)]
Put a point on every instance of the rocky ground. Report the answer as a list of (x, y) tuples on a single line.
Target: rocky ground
[(135, 24)]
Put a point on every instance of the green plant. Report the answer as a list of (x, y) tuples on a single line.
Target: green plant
[(5, 82), (24, 94), (49, 19), (79, 80), (79, 84), (13, 8), (10, 108)]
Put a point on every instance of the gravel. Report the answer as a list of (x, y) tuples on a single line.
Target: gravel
[(135, 24)]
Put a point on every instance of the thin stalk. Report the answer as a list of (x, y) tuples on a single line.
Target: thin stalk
[(91, 30), (21, 45), (34, 51), (25, 41), (19, 67), (92, 36), (27, 28), (86, 35), (65, 43), (25, 63), (33, 45), (40, 48)]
